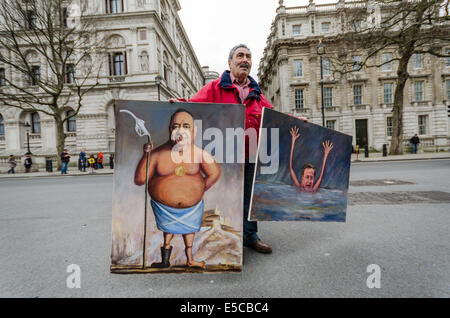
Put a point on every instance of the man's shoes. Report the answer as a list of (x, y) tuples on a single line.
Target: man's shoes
[(260, 247)]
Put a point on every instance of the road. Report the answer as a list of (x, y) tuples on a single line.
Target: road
[(401, 224)]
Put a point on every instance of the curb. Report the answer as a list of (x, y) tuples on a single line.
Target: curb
[(58, 175), (400, 160)]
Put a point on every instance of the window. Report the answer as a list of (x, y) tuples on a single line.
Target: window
[(357, 94), (313, 22), (331, 124), (114, 6), (417, 60), (418, 91), (31, 20), (35, 123), (70, 74), (389, 126), (423, 124), (298, 68), (65, 16), (447, 84), (386, 60), (296, 29), (328, 96), (34, 80), (326, 26), (143, 35), (326, 67), (356, 63), (387, 92), (71, 122), (2, 77), (2, 126), (299, 99), (118, 64)]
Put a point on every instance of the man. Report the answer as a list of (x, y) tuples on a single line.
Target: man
[(100, 160), (179, 173), (65, 158), (415, 141), (12, 164), (28, 162), (82, 160), (308, 171)]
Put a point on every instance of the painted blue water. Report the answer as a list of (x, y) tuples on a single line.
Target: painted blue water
[(324, 205)]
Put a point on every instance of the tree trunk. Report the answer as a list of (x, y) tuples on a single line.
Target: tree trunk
[(396, 147), (60, 140)]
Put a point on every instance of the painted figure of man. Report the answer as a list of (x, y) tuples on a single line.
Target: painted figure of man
[(308, 171), (179, 173)]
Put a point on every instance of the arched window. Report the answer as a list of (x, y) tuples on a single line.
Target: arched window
[(2, 126), (71, 122), (35, 123)]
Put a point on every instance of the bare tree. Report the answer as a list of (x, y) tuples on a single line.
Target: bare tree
[(406, 28), (56, 34)]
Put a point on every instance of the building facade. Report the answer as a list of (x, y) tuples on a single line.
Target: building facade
[(150, 58), (358, 103)]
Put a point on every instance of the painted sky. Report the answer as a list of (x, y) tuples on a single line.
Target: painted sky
[(215, 26)]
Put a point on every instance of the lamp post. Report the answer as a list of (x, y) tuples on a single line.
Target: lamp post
[(158, 82), (320, 52), (28, 128)]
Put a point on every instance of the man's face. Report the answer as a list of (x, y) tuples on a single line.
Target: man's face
[(182, 129), (241, 63), (308, 179)]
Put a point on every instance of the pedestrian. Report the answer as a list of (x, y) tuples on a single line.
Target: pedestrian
[(100, 160), (28, 162), (236, 86), (96, 162), (12, 164), (91, 162), (82, 160), (415, 141), (65, 158)]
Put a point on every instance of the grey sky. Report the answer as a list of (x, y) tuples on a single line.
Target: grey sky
[(215, 26)]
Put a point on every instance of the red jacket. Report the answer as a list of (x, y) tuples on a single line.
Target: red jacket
[(223, 91)]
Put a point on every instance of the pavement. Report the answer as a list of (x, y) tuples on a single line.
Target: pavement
[(373, 157)]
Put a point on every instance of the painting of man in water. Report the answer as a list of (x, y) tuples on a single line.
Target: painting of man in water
[(169, 212), (311, 183)]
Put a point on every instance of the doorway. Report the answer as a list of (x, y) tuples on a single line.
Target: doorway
[(361, 132)]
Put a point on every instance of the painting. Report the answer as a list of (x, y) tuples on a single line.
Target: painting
[(311, 182), (170, 214)]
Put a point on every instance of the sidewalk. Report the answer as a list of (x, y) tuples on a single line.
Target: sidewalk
[(70, 173), (378, 157), (373, 157)]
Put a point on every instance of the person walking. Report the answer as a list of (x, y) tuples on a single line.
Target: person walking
[(65, 158), (100, 160), (82, 160), (415, 141), (12, 164), (28, 162)]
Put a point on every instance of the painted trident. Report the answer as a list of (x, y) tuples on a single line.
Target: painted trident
[(142, 131)]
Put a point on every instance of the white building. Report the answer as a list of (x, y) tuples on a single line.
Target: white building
[(146, 39), (358, 103)]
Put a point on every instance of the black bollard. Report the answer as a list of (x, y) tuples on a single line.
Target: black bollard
[(384, 150), (111, 161), (366, 151)]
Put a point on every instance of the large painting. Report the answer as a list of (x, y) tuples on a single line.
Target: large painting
[(311, 182), (170, 211)]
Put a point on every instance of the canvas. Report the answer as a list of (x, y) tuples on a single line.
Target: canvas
[(311, 182), (180, 220)]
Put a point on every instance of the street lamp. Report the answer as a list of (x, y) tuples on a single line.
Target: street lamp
[(320, 52), (28, 128), (158, 82)]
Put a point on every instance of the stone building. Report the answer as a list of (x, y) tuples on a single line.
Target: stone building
[(358, 103), (151, 57)]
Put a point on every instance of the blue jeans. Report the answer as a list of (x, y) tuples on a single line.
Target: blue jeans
[(250, 228), (414, 148), (64, 167)]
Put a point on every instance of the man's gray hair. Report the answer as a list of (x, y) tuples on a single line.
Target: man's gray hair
[(230, 57)]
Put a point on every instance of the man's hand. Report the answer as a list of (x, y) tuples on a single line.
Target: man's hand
[(172, 100), (294, 133), (327, 146), (301, 118), (148, 148)]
